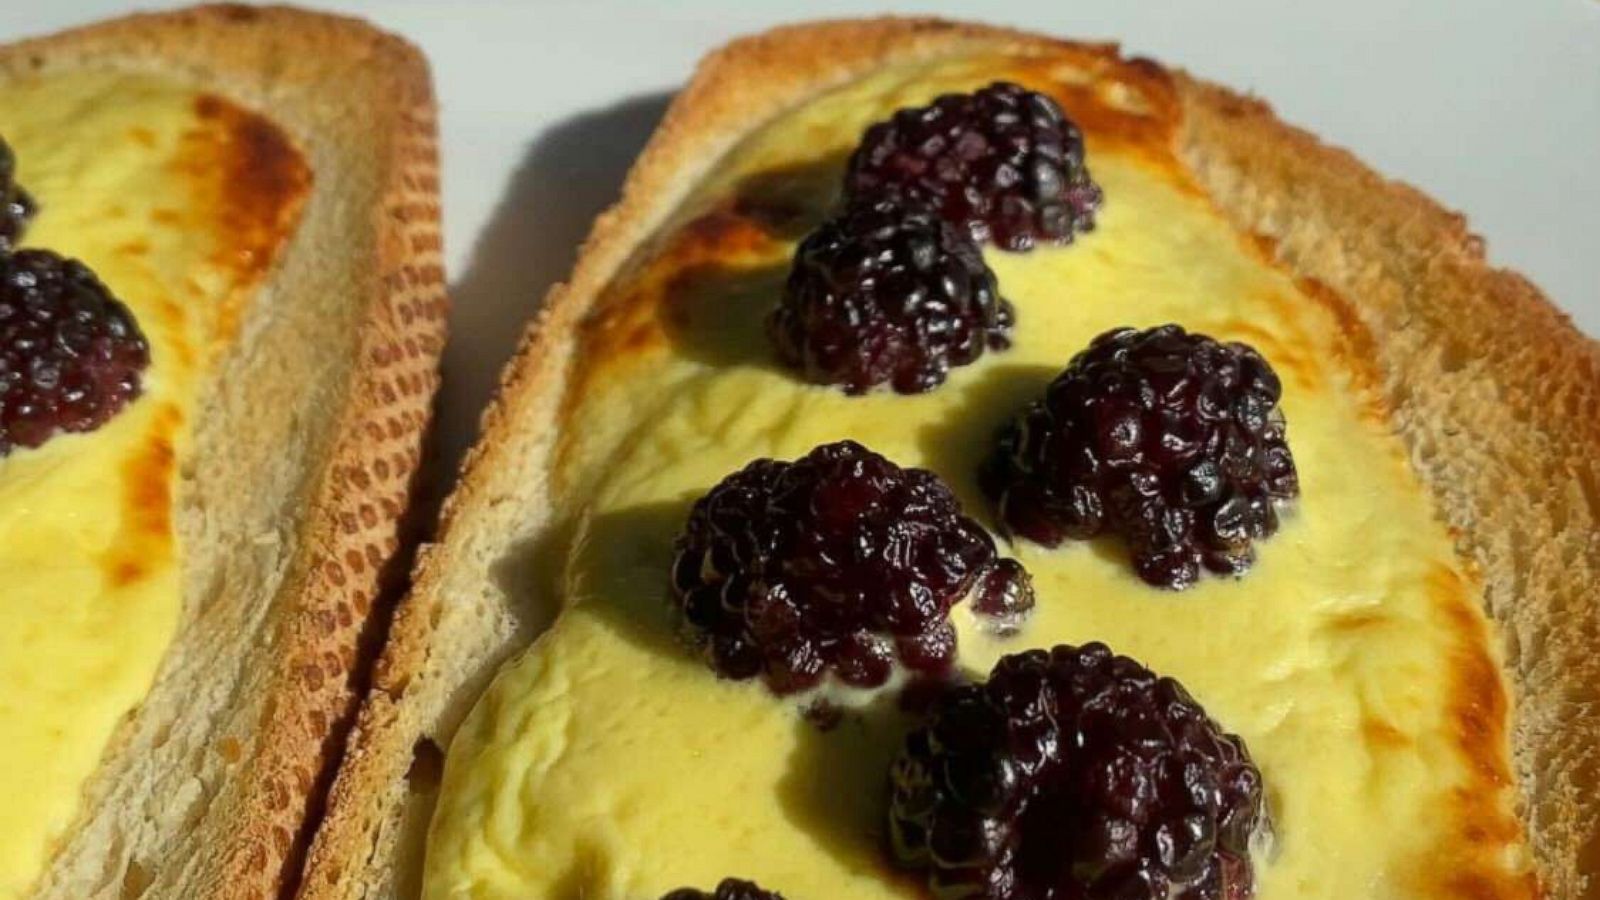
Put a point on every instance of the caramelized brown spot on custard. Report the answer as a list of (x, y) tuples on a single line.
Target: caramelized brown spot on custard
[(1354, 345), (144, 540), (1121, 104), (723, 232), (1359, 620), (1289, 354), (640, 313), (248, 183), (1384, 735), (720, 237), (1487, 827), (1479, 698), (790, 200)]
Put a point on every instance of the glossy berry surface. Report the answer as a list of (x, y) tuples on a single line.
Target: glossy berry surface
[(1174, 441), (727, 889), (1004, 162), (840, 562), (71, 355), (16, 207), (887, 293), (1075, 774)]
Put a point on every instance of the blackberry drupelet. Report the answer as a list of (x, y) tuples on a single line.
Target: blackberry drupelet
[(839, 562), (1173, 440), (1074, 774), (728, 889), (70, 354), (1004, 162), (16, 207), (1004, 594), (887, 293)]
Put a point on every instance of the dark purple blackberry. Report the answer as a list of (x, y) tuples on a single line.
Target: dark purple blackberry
[(887, 293), (1173, 440), (729, 889), (1004, 162), (16, 207), (1073, 774), (70, 354), (840, 562)]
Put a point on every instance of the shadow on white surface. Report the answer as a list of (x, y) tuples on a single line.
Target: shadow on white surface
[(572, 172)]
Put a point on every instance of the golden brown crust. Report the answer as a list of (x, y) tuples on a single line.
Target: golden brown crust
[(1484, 412), (300, 480), (1495, 392)]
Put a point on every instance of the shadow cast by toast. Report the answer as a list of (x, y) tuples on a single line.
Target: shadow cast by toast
[(572, 172)]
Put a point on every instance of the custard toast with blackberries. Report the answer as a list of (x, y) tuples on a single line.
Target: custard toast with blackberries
[(221, 309), (974, 463)]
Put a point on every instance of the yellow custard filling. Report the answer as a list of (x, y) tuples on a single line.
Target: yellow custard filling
[(608, 761), (178, 201)]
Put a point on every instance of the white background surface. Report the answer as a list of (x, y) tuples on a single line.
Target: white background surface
[(1492, 106)]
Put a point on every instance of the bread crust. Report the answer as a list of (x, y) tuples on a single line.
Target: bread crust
[(309, 431), (1493, 390)]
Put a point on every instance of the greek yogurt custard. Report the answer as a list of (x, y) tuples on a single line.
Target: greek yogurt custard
[(609, 761), (177, 201)]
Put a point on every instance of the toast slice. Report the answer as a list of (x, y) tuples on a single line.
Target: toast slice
[(1492, 390), (308, 430)]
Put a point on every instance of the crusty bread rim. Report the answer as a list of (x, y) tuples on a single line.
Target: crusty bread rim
[(1494, 392), (320, 407)]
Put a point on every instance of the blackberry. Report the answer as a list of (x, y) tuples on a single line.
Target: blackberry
[(70, 354), (728, 889), (16, 207), (839, 562), (1074, 774), (1004, 162), (887, 293), (1173, 440)]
